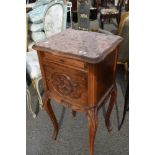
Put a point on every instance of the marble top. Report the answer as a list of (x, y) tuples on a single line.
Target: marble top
[(89, 46)]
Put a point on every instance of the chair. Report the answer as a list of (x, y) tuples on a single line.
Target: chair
[(123, 30), (55, 10), (83, 10), (55, 18), (123, 56), (69, 9), (111, 12), (33, 69)]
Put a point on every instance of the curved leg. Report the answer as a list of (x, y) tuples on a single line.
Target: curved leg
[(51, 114), (38, 92), (92, 124), (28, 101), (125, 105), (74, 113), (110, 107)]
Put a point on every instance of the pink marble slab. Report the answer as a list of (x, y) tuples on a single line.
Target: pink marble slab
[(90, 46)]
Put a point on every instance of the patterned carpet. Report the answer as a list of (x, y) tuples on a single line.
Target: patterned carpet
[(73, 134)]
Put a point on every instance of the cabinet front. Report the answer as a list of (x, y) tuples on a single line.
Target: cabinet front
[(66, 84)]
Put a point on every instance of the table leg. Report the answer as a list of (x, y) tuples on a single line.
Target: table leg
[(92, 125), (110, 107), (51, 114)]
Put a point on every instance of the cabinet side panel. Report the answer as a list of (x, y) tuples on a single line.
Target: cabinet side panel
[(92, 84), (42, 70), (106, 71)]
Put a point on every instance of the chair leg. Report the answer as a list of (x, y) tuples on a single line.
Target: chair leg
[(126, 70), (109, 20), (102, 22), (28, 101), (125, 105), (38, 92), (71, 18), (118, 18)]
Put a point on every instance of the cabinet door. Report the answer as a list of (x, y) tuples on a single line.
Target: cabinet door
[(66, 84)]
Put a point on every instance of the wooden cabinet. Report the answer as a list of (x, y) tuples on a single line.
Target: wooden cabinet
[(78, 71)]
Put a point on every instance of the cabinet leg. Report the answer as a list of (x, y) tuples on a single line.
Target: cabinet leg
[(110, 107), (92, 125), (74, 113), (51, 114)]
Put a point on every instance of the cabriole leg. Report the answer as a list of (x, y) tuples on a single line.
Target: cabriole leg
[(92, 125), (38, 92), (28, 101), (49, 110), (110, 107)]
